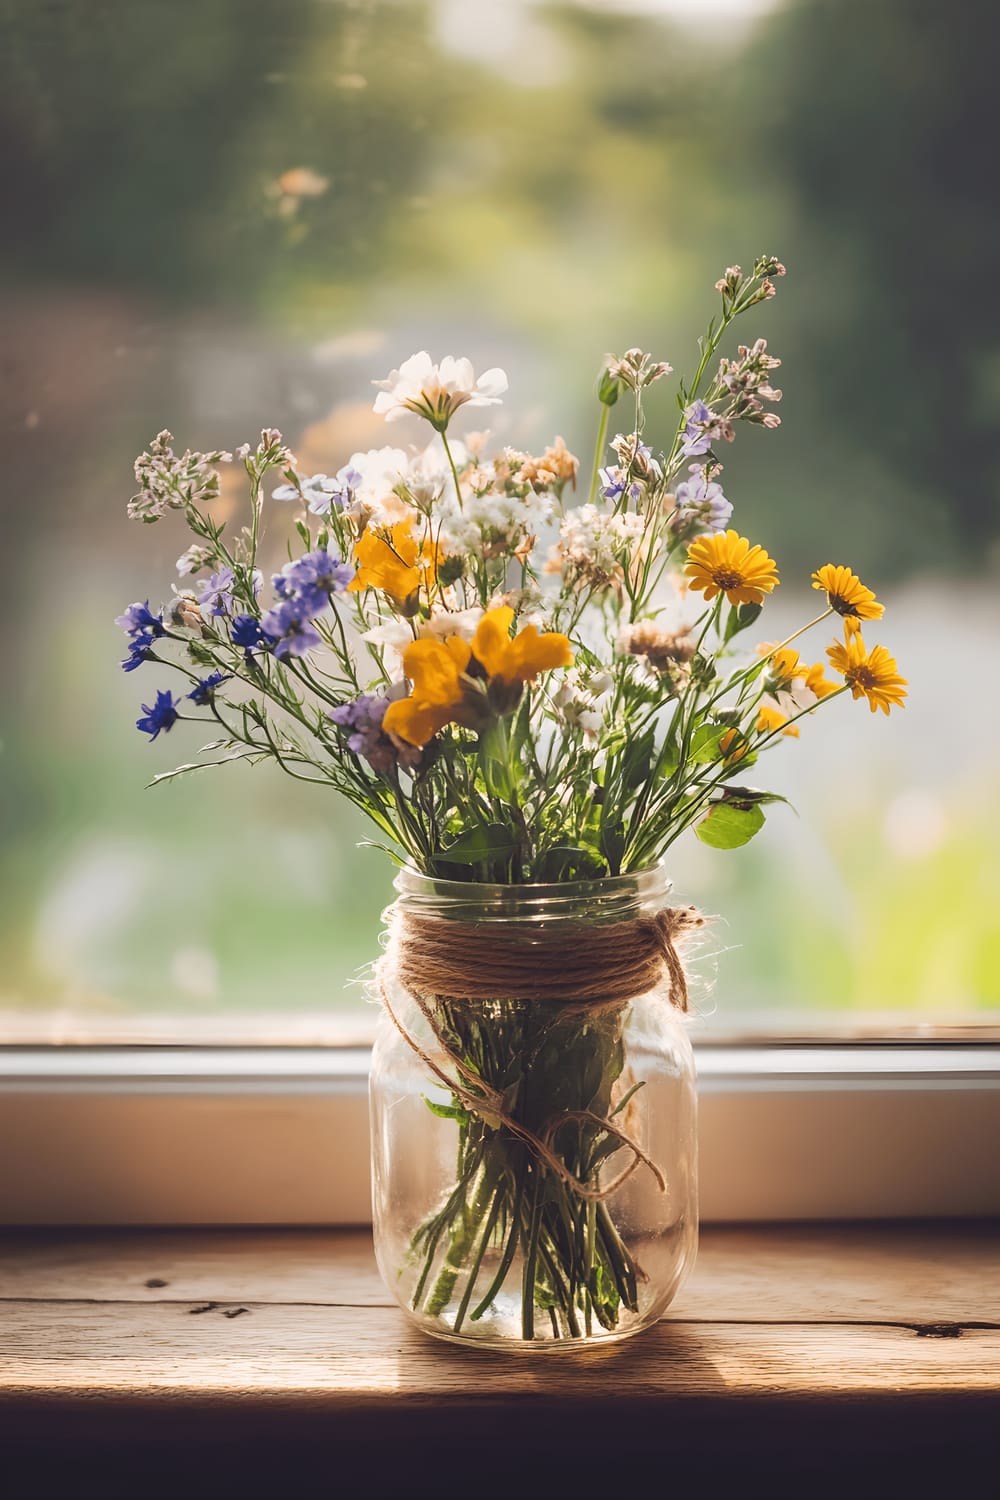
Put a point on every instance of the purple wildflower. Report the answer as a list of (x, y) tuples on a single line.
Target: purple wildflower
[(246, 632), (161, 715), (700, 507), (319, 570), (215, 594), (205, 688), (140, 649), (138, 618), (361, 722), (703, 427), (289, 624), (614, 483)]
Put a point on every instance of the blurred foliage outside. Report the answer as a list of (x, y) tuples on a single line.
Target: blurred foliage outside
[(241, 219)]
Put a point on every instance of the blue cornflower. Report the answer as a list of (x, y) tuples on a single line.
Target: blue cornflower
[(139, 617), (246, 632), (162, 715), (215, 594), (205, 689), (140, 649)]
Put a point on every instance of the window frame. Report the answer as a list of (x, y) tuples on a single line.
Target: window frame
[(279, 1135)]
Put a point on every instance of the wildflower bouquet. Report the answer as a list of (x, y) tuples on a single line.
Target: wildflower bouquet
[(520, 679)]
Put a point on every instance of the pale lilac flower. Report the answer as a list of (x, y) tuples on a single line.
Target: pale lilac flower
[(436, 391), (215, 594), (361, 722), (700, 507), (614, 483), (703, 427), (290, 626), (194, 559)]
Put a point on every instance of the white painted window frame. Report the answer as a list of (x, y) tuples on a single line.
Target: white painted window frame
[(228, 1135)]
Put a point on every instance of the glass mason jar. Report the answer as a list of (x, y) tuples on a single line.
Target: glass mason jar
[(534, 1159)]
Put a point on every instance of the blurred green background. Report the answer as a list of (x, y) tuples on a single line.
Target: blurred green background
[(237, 213)]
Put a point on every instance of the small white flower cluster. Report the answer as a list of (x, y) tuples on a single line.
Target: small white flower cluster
[(492, 524), (579, 700), (593, 546)]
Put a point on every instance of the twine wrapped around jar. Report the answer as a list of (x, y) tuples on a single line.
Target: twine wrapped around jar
[(586, 967)]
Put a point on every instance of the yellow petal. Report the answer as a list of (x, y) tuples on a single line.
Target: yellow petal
[(491, 643)]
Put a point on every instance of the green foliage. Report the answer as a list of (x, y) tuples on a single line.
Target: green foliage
[(728, 825)]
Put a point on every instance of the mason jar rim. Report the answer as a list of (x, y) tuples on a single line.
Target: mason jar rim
[(416, 890)]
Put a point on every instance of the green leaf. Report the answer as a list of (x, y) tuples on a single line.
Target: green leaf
[(705, 744), (727, 826), (486, 842), (637, 763), (613, 844), (741, 618), (447, 1111), (749, 796), (569, 862)]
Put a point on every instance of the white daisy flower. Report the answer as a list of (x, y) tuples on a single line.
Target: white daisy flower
[(436, 391)]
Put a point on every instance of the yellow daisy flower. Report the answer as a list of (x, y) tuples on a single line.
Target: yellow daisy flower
[(817, 681), (847, 594), (869, 674), (726, 563), (783, 665), (771, 719)]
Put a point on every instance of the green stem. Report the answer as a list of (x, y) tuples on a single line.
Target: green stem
[(460, 1246), (599, 447), (487, 1235)]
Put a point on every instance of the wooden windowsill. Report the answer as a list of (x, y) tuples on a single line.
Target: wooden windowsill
[(801, 1355)]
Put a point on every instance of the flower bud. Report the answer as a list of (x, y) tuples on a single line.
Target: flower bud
[(609, 386)]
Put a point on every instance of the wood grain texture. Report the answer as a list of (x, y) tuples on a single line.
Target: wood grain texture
[(795, 1353)]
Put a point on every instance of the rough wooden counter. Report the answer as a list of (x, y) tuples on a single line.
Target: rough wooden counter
[(794, 1361)]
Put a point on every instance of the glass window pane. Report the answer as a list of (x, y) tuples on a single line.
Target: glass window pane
[(240, 217)]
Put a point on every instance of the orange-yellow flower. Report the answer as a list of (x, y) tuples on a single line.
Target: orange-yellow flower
[(869, 674), (390, 558), (733, 746), (847, 594), (817, 681), (436, 670), (520, 659), (447, 687), (784, 664), (769, 720), (726, 563)]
